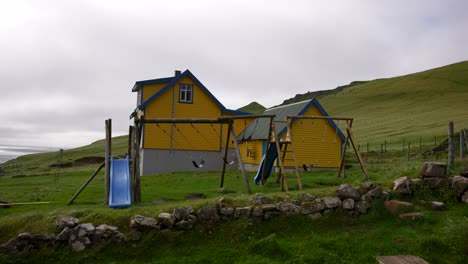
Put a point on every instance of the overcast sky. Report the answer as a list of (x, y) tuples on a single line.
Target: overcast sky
[(66, 66)]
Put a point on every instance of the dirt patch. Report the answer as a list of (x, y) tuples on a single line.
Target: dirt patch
[(195, 196), (63, 165), (89, 160)]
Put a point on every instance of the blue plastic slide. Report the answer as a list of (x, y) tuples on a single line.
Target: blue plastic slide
[(119, 191), (272, 155)]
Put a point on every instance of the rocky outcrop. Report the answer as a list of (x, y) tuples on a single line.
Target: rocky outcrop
[(459, 185), (434, 170), (403, 185), (208, 215), (346, 191), (395, 206)]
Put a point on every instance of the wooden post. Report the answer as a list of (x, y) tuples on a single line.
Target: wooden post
[(108, 153), (241, 163), (451, 147), (409, 150), (85, 183), (462, 138), (226, 148), (136, 161), (466, 138), (381, 152), (130, 140)]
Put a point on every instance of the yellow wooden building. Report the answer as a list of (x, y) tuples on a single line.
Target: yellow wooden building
[(170, 147), (317, 143)]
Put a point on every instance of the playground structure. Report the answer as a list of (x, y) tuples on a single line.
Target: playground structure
[(121, 179), (122, 176)]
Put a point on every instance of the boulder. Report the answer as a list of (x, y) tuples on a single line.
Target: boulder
[(226, 212), (394, 206), (413, 215), (306, 197), (288, 208), (464, 172), (331, 202), (435, 183), (67, 221), (64, 235), (459, 185), (417, 183), (403, 185), (143, 223), (78, 245), (311, 208), (187, 223), (257, 211), (269, 207), (226, 202), (376, 192), (348, 204), (166, 220), (437, 206), (259, 199), (367, 186), (362, 206), (208, 215), (464, 197), (85, 230), (182, 213), (242, 212), (366, 197), (346, 191), (434, 169)]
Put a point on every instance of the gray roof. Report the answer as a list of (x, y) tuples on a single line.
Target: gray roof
[(259, 128)]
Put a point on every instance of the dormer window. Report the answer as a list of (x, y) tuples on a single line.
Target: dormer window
[(185, 93)]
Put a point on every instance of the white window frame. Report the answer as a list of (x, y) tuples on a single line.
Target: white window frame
[(185, 91)]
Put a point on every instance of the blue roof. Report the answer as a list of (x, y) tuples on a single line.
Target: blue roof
[(140, 84), (172, 81)]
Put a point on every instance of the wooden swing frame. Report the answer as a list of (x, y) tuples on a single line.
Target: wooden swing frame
[(349, 138)]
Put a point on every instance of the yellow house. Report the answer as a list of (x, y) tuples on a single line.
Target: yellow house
[(181, 147), (317, 143)]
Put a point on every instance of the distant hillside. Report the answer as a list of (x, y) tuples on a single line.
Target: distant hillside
[(410, 106), (254, 108), (319, 94)]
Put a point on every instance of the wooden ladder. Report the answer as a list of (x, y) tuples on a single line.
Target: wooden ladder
[(287, 142)]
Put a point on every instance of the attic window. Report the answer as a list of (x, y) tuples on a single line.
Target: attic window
[(185, 93)]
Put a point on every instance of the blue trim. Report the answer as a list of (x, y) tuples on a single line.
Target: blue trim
[(152, 81), (324, 113), (173, 81)]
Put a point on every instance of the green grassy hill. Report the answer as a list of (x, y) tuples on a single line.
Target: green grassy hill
[(254, 108), (406, 107)]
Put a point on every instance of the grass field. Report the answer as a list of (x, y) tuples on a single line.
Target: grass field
[(437, 237)]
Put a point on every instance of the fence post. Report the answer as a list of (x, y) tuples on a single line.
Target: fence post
[(462, 143), (409, 150), (451, 147), (108, 153), (381, 152)]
